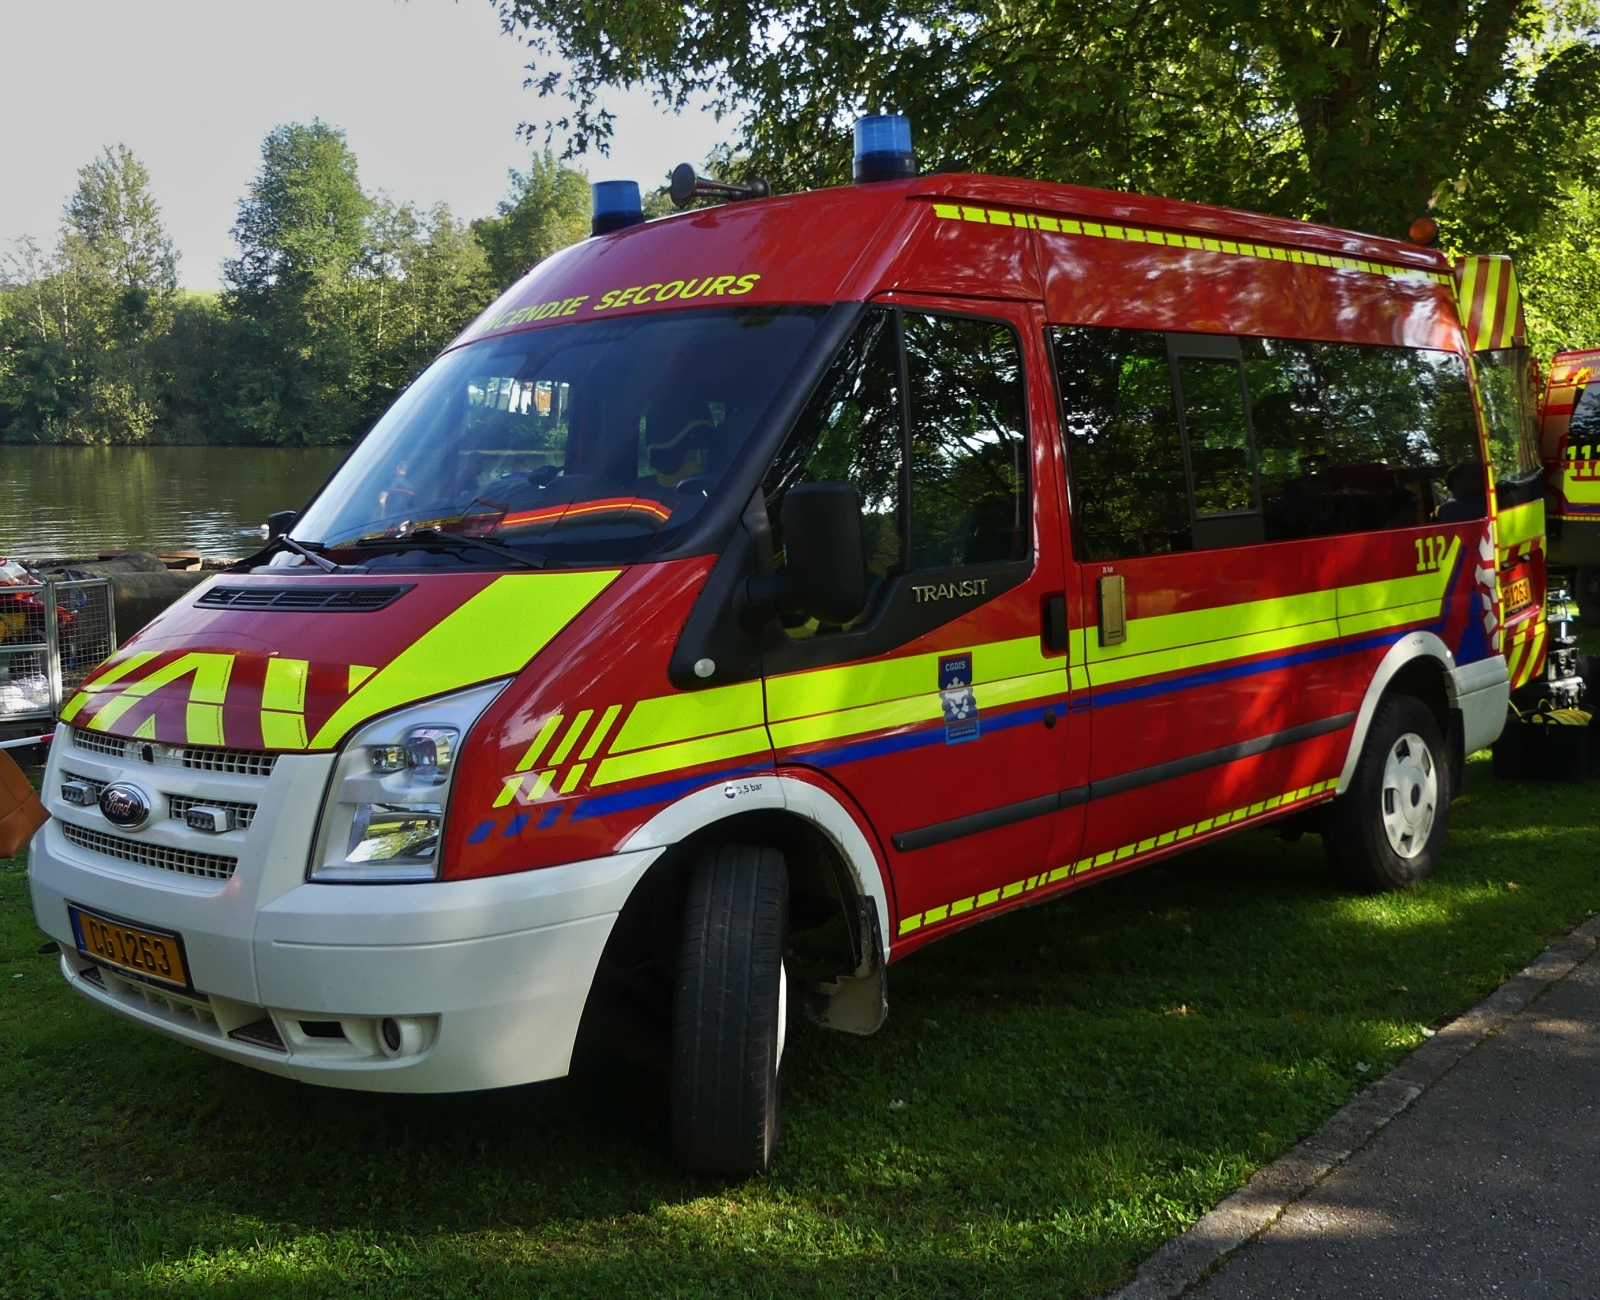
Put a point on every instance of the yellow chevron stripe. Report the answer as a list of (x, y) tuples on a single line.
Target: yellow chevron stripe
[(1172, 239), (974, 902)]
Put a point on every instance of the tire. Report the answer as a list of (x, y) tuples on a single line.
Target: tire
[(1385, 832), (1586, 590), (730, 1010)]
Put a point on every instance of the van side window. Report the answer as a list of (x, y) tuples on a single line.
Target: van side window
[(969, 446), (1129, 493), (1355, 437), (850, 432)]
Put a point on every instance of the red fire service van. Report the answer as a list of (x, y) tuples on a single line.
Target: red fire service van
[(877, 559), (1570, 442)]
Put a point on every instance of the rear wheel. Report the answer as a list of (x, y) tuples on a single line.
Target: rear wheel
[(730, 1009), (1385, 831)]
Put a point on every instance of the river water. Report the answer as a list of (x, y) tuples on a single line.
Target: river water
[(79, 501)]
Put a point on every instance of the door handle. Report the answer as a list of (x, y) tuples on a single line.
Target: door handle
[(1113, 610), (1055, 623)]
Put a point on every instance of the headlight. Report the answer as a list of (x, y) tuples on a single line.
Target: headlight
[(383, 818)]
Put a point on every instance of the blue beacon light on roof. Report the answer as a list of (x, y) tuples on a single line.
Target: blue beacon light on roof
[(883, 148), (617, 205)]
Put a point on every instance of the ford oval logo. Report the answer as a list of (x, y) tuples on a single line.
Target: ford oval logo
[(125, 805)]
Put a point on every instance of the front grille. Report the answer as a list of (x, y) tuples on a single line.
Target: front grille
[(199, 758), (243, 813), (98, 744), (348, 600), (240, 762), (207, 866)]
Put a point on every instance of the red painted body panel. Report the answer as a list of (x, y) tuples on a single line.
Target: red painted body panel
[(976, 244), (614, 653)]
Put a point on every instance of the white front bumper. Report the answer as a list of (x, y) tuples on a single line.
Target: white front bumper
[(494, 971)]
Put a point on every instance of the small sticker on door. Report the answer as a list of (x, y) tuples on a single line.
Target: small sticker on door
[(955, 693)]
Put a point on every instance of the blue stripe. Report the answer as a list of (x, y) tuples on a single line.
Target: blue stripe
[(1254, 667), (661, 792)]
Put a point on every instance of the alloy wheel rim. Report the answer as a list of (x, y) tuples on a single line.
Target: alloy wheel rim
[(1410, 795)]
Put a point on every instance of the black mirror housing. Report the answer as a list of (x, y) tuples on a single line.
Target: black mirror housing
[(825, 549), (280, 521)]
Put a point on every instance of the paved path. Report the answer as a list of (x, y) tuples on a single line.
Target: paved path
[(1473, 1169), (1487, 1185)]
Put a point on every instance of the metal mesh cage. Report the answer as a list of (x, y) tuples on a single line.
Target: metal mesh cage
[(52, 635)]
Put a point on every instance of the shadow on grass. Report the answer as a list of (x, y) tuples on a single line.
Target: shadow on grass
[(1055, 1093)]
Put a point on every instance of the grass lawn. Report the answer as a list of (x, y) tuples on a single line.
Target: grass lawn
[(1056, 1092)]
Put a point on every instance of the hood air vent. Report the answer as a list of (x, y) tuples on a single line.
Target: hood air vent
[(332, 600)]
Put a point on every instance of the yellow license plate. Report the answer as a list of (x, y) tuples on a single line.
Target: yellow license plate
[(1518, 595), (151, 954)]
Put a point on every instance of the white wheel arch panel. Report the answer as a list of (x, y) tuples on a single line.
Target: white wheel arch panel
[(767, 791), (1408, 649)]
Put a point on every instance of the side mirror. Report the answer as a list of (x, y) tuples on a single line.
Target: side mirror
[(280, 521), (827, 558)]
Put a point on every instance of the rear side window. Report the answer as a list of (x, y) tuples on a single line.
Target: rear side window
[(1355, 438), (924, 414), (1235, 441)]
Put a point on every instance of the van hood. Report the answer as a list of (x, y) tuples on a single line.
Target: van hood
[(255, 661)]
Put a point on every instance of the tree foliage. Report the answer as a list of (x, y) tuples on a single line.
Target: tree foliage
[(547, 209), (1363, 113), (336, 299)]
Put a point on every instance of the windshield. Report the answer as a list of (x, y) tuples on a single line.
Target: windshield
[(574, 444)]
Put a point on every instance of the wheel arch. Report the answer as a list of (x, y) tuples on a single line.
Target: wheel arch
[(1419, 664)]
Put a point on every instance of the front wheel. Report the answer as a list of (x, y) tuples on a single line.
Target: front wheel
[(730, 1010), (1385, 831)]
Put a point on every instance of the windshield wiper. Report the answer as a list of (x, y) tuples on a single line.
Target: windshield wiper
[(325, 564), (431, 539)]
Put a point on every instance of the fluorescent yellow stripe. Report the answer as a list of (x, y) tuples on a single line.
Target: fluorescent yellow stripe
[(283, 730), (203, 724), (687, 714), (539, 742), (541, 786), (909, 710), (1467, 288), (120, 669), (687, 753), (1508, 331), (1395, 594), (824, 690), (598, 735), (573, 777), (285, 687), (1519, 524), (210, 687), (146, 730), (508, 790), (494, 634), (904, 712), (358, 674), (571, 738)]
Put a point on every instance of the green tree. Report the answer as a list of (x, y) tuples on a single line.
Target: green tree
[(82, 322), (547, 209), (426, 278), (1358, 112), (292, 296)]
